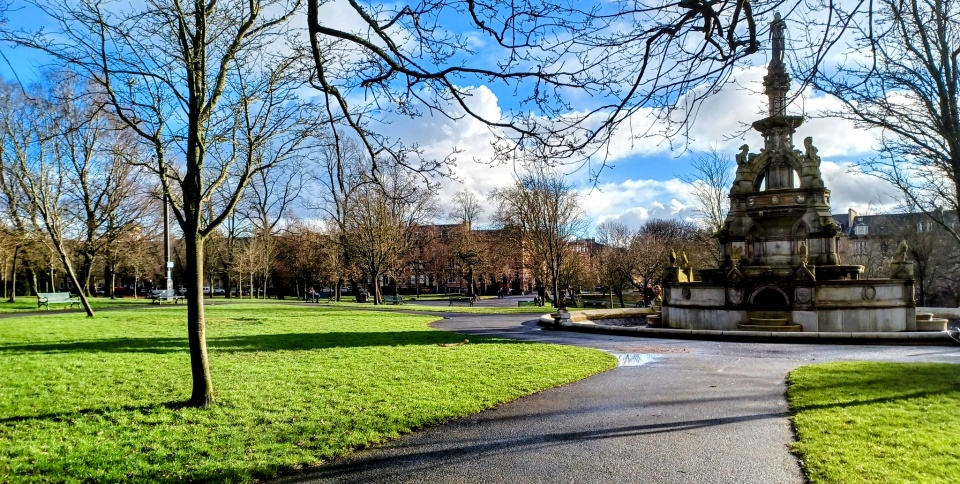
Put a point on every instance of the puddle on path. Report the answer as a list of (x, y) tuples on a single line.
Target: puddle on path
[(634, 359)]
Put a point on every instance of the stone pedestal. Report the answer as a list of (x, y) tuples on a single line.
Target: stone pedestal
[(901, 270)]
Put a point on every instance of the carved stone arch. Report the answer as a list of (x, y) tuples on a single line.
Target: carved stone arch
[(769, 298)]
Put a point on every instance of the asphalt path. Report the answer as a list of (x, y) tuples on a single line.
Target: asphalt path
[(686, 411)]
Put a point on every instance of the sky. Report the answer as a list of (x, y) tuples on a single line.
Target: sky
[(642, 181)]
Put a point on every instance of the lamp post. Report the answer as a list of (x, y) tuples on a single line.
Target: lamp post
[(166, 243)]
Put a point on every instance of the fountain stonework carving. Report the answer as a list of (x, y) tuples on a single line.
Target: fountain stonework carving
[(781, 270)]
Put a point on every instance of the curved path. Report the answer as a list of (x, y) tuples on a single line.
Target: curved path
[(679, 411)]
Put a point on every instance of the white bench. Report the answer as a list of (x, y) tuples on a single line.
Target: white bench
[(48, 298)]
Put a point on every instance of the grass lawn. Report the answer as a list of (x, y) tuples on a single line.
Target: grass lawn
[(29, 303), (97, 399), (877, 422)]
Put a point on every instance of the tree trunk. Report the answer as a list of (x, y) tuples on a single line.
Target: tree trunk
[(202, 395), (471, 288), (86, 268), (32, 279), (13, 275), (226, 283), (555, 286), (73, 278)]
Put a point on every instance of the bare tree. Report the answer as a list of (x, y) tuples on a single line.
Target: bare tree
[(171, 70), (546, 213), (616, 261), (271, 195), (466, 207), (38, 154), (710, 181), (16, 226), (466, 248), (106, 193), (901, 77), (381, 220), (627, 56), (338, 170), (656, 238)]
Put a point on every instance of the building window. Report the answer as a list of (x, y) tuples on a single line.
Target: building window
[(860, 230)]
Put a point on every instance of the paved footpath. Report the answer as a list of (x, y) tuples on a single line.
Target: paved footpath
[(680, 411)]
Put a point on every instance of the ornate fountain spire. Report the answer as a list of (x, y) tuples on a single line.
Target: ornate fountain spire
[(777, 82), (777, 128)]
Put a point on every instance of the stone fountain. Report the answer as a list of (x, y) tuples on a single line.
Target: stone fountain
[(780, 267)]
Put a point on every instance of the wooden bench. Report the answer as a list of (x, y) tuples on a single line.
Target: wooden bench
[(461, 299), (48, 298), (392, 300), (168, 295)]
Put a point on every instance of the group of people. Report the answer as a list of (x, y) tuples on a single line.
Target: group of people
[(650, 295)]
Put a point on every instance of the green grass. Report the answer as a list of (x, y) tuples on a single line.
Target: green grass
[(97, 399), (29, 303), (877, 422)]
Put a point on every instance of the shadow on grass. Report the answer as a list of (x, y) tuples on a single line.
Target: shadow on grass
[(66, 416), (258, 342), (842, 385)]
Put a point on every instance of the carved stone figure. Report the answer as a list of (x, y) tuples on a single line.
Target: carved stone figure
[(673, 257), (736, 253), (683, 260), (811, 154), (743, 156), (777, 29), (901, 254), (803, 253)]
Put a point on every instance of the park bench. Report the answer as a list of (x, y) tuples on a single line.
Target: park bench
[(521, 304), (461, 299), (158, 297), (392, 300), (595, 304), (48, 298)]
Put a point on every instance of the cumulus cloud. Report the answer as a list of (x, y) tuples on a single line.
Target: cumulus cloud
[(851, 188), (638, 199), (634, 202)]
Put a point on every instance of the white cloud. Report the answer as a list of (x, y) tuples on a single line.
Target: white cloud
[(851, 188), (634, 201)]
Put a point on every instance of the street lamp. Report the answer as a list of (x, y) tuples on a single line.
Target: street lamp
[(166, 244)]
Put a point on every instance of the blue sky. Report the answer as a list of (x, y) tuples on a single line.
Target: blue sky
[(642, 182)]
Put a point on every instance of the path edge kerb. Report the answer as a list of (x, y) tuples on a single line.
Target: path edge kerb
[(547, 321)]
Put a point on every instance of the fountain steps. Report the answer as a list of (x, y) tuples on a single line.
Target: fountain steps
[(771, 323)]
